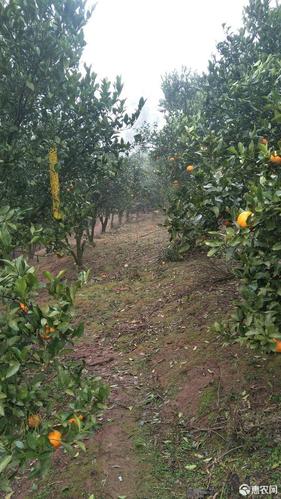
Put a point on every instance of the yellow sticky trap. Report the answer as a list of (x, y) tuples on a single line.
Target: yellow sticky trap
[(55, 184)]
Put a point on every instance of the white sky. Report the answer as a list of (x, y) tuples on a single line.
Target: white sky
[(143, 39)]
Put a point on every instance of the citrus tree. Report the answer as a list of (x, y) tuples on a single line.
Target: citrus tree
[(252, 241), (220, 147), (47, 398), (49, 105), (201, 157), (40, 46)]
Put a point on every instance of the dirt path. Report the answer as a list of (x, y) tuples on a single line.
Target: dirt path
[(188, 414)]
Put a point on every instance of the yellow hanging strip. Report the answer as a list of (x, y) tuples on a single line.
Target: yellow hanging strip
[(55, 185)]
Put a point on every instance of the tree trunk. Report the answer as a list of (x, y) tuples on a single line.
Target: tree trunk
[(127, 216), (79, 250), (120, 216), (31, 251), (104, 222), (112, 221), (91, 229)]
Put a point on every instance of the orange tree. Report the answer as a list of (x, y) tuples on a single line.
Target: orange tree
[(86, 128), (253, 243), (46, 102), (91, 146), (47, 399), (239, 90), (36, 72), (232, 140)]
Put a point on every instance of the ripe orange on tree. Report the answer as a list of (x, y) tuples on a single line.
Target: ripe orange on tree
[(275, 159), (242, 219), (47, 331), (190, 168), (45, 337), (74, 420), (23, 307), (54, 438), (277, 345)]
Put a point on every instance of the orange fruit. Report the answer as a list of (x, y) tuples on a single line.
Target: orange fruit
[(23, 307), (242, 219), (45, 337), (274, 158), (73, 420), (278, 345), (172, 159), (190, 168), (54, 438), (49, 330), (34, 421), (263, 140)]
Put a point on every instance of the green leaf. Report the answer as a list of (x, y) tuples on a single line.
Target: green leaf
[(82, 446), (48, 275), (276, 247), (232, 150), (30, 85), (184, 248), (4, 462), (2, 411), (190, 467), (216, 210), (12, 369), (212, 251), (20, 287), (214, 244), (19, 444)]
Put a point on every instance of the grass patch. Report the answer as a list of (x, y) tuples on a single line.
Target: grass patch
[(207, 400)]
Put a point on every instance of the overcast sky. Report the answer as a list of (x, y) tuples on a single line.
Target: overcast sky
[(143, 39)]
